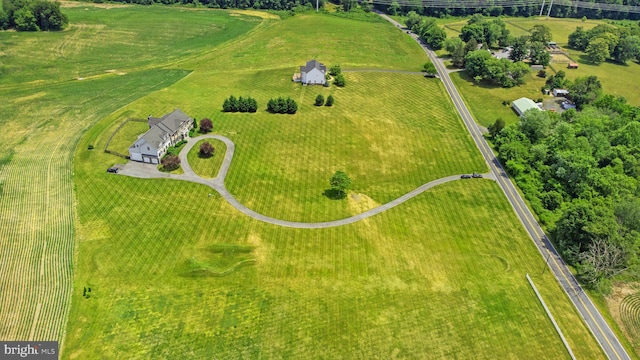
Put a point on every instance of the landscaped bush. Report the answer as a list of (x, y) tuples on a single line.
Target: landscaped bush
[(319, 100), (90, 147), (329, 101), (240, 104), (282, 106), (340, 81), (180, 143), (206, 150), (170, 162), (206, 125), (335, 70)]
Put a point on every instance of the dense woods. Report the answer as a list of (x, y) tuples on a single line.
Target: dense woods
[(580, 171), (619, 43), (32, 15)]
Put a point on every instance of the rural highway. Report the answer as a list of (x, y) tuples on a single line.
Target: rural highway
[(592, 317)]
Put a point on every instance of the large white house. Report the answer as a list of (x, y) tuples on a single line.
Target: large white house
[(313, 73), (163, 133)]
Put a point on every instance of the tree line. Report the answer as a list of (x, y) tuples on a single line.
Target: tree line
[(241, 104), (580, 172), (32, 15), (607, 42), (282, 106), (517, 9)]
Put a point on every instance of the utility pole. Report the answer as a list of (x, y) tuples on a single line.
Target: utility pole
[(550, 5), (542, 7)]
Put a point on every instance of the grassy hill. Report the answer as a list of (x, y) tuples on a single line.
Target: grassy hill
[(176, 273)]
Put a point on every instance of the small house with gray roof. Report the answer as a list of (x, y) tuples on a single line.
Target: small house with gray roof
[(163, 133), (313, 73)]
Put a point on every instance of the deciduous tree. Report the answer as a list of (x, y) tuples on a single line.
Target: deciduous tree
[(206, 125), (340, 183), (206, 149)]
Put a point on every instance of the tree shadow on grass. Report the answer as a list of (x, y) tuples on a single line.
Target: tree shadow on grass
[(203, 156), (334, 194)]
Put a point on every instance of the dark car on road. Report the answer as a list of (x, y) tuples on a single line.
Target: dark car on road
[(476, 175), (113, 170), (465, 176)]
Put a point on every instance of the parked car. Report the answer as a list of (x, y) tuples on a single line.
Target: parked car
[(476, 175), (465, 176), (113, 170)]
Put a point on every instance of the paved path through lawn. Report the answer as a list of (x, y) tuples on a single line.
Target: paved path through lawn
[(149, 171)]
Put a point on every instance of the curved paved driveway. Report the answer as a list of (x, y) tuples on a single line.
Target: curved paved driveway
[(148, 171)]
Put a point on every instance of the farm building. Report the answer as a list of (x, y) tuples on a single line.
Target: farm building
[(163, 133), (537, 67), (312, 73), (572, 65), (524, 104), (560, 92)]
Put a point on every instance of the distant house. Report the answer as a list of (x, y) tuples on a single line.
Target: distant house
[(524, 104), (312, 73), (537, 67), (560, 92), (163, 133), (572, 65)]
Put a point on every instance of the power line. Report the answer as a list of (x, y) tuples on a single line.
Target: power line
[(482, 4)]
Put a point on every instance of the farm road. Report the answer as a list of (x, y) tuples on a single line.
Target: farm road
[(148, 171), (590, 314)]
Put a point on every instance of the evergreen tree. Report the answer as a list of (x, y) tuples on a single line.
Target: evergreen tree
[(329, 101)]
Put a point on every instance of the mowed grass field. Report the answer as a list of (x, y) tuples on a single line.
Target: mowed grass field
[(207, 167), (440, 276), (44, 114), (175, 273)]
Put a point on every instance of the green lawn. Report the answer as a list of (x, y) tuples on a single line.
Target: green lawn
[(126, 133), (44, 114), (207, 167), (484, 100), (176, 273)]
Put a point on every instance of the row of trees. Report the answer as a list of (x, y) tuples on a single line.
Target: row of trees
[(580, 172), (427, 29), (320, 100), (480, 65), (516, 8), (282, 106), (241, 104), (603, 42), (32, 15)]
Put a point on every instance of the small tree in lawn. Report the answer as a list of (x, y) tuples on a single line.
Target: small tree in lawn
[(206, 150), (319, 100), (340, 183), (233, 104), (329, 101), (170, 162), (340, 81), (195, 123), (206, 125)]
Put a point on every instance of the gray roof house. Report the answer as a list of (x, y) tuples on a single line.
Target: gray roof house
[(313, 73), (163, 133)]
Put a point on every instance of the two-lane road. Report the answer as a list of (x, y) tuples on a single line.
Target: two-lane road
[(592, 317)]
